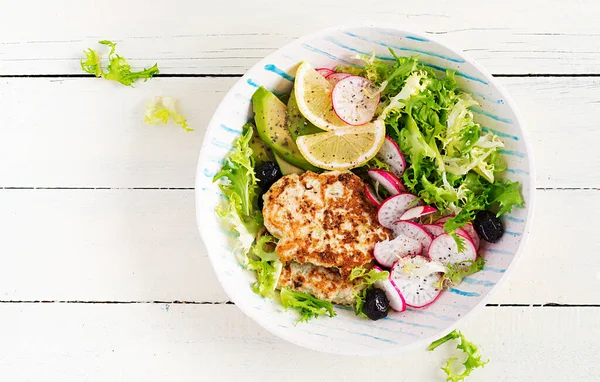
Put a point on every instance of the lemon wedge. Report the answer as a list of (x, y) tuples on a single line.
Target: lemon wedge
[(313, 96), (343, 148)]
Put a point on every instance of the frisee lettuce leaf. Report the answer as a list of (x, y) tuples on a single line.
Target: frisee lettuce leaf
[(240, 190), (117, 70), (265, 262), (307, 306), (365, 282), (160, 109), (452, 163), (457, 272), (472, 362)]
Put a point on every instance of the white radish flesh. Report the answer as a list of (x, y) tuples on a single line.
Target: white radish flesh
[(387, 180), (393, 207), (445, 250), (389, 251), (414, 231), (353, 100), (372, 195), (334, 78), (390, 154), (392, 292), (417, 289), (417, 212), (433, 229), (325, 71)]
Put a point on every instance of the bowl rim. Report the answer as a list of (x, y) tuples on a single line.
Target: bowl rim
[(425, 341)]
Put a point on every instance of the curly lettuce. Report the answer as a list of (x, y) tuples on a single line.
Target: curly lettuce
[(265, 262), (472, 362), (307, 306), (118, 68), (240, 188), (160, 109), (452, 163)]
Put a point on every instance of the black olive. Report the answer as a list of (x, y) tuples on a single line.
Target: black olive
[(268, 173), (376, 304), (488, 226)]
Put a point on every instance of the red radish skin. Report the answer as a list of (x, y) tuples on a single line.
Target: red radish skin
[(433, 229), (390, 154), (472, 234), (444, 249), (387, 180), (389, 251), (372, 195), (414, 231), (418, 291), (443, 220), (393, 207), (334, 78), (352, 100), (417, 212), (392, 292), (325, 71)]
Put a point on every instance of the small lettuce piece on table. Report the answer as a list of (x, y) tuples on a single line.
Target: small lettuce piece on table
[(160, 109), (307, 306), (117, 70), (240, 190), (365, 283), (265, 262), (472, 362)]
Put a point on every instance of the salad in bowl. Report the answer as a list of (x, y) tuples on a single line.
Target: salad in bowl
[(369, 189)]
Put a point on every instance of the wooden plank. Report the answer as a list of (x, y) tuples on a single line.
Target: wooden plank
[(230, 36), (143, 245), (152, 342), (110, 146)]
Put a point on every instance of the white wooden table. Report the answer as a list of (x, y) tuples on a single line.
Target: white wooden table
[(103, 276)]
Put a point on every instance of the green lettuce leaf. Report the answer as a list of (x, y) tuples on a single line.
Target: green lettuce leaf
[(265, 262), (457, 272), (506, 195), (117, 70), (472, 362), (307, 306), (240, 188), (365, 282), (160, 109)]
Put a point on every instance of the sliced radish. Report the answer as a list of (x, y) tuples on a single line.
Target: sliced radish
[(414, 231), (372, 195), (389, 251), (353, 101), (417, 212), (325, 71), (433, 229), (418, 290), (387, 180), (472, 234), (390, 153), (392, 292), (444, 249), (393, 207), (334, 78)]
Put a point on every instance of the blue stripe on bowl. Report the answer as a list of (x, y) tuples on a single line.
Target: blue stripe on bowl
[(274, 69), (514, 219), (463, 293), (357, 333), (517, 171), (411, 323), (499, 133), (492, 269), (425, 313), (500, 251), (230, 130), (513, 233), (460, 74), (421, 39), (341, 45), (472, 281), (402, 48), (512, 153), (326, 54), (490, 115)]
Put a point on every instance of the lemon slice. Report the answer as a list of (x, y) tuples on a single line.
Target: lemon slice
[(313, 95), (343, 148)]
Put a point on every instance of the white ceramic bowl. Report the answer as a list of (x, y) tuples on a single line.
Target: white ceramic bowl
[(346, 333)]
